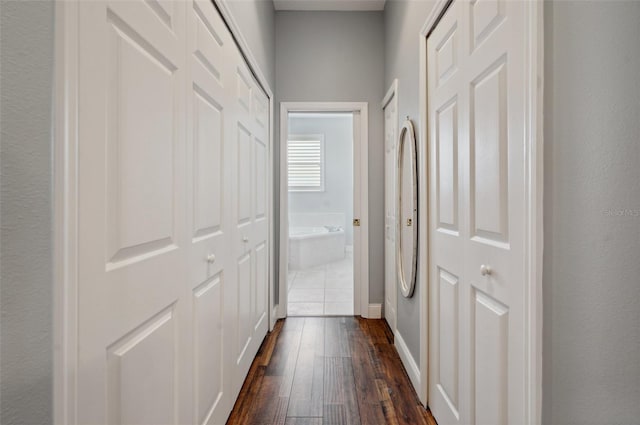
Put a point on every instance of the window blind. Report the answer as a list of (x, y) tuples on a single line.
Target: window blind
[(305, 165)]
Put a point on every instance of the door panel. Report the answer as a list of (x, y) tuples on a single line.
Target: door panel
[(447, 166), (211, 275), (476, 116), (207, 167), (490, 346), (260, 306), (489, 154), (244, 171), (173, 263), (140, 391), (130, 142), (131, 209), (448, 372), (211, 397), (244, 306), (448, 399), (252, 228)]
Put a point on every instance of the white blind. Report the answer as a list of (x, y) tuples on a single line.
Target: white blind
[(305, 165)]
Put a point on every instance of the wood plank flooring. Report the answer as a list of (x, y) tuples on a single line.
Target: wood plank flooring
[(328, 370)]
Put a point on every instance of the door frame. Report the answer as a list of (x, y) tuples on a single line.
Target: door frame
[(392, 93), (534, 203), (65, 198), (361, 202)]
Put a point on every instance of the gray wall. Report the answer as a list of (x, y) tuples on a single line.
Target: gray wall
[(337, 196), (256, 20), (339, 56), (26, 302), (591, 348), (403, 21)]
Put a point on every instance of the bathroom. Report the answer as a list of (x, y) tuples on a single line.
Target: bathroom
[(320, 211)]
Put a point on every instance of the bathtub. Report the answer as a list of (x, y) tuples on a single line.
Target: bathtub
[(314, 246)]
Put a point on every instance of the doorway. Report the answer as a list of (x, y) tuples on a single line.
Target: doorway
[(323, 209), (320, 191)]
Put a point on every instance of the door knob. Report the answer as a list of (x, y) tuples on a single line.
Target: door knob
[(245, 239), (485, 270), (211, 258)]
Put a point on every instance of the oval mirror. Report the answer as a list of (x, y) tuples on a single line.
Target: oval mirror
[(406, 210)]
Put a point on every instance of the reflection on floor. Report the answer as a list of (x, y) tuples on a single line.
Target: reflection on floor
[(322, 290)]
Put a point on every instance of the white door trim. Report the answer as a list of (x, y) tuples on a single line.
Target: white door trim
[(65, 227), (392, 93), (534, 203), (361, 171), (393, 90), (65, 191)]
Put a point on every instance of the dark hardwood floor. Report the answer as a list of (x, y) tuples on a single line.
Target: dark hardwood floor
[(328, 370)]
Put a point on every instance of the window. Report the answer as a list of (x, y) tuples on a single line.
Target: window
[(305, 163)]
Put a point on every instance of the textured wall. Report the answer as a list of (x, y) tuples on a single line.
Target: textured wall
[(339, 56), (26, 303), (403, 21), (591, 347)]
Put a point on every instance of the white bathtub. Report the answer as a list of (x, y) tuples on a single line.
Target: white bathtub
[(313, 246)]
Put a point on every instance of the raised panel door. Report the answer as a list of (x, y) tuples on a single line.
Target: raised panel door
[(132, 303), (476, 115)]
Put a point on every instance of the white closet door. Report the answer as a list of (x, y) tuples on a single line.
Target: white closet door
[(390, 166), (212, 277), (250, 244), (173, 196), (476, 97), (133, 336)]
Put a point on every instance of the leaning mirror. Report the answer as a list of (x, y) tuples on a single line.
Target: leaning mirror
[(406, 210)]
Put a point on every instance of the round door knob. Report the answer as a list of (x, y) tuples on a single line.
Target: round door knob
[(211, 258), (485, 270), (245, 239)]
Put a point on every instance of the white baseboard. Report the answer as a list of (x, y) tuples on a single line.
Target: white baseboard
[(407, 360), (375, 311)]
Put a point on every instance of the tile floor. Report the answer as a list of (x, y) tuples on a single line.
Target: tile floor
[(325, 290)]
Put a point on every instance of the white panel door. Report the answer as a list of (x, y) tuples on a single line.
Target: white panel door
[(133, 342), (476, 93), (211, 276), (250, 130), (173, 173), (390, 172)]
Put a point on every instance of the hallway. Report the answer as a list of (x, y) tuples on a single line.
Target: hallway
[(333, 370)]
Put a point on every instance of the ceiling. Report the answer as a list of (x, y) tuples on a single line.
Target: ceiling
[(339, 5)]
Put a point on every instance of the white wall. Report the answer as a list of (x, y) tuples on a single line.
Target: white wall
[(591, 346), (403, 21), (338, 189), (26, 303), (338, 56)]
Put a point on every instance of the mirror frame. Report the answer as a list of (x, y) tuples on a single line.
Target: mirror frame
[(407, 283)]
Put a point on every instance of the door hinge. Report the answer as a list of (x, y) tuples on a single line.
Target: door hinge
[(356, 222)]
